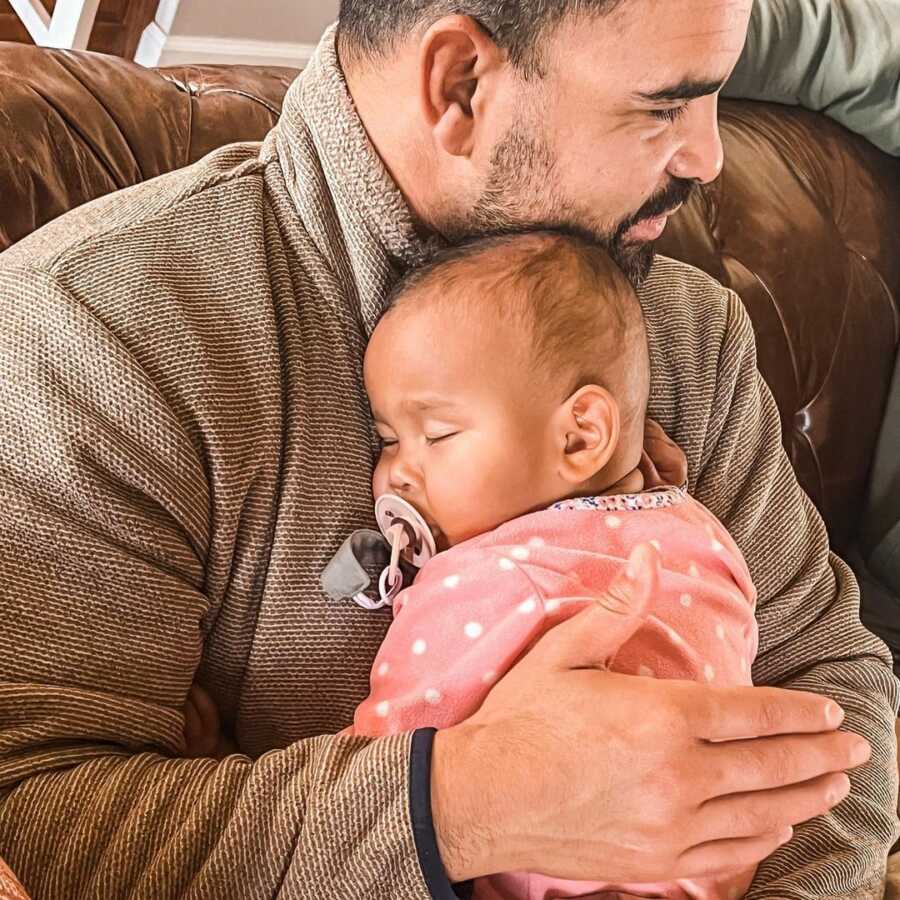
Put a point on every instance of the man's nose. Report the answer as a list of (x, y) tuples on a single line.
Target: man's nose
[(700, 156)]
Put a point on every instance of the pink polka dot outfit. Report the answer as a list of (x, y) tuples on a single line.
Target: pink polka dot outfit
[(475, 608)]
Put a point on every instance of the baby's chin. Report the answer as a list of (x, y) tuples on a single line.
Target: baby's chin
[(443, 541)]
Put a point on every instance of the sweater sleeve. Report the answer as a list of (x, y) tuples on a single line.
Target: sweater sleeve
[(104, 529), (811, 638)]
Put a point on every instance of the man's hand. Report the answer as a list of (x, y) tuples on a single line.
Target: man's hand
[(202, 727), (203, 734), (663, 462), (577, 772)]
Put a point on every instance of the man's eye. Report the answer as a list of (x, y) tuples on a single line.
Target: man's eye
[(387, 442), (670, 114), (442, 437)]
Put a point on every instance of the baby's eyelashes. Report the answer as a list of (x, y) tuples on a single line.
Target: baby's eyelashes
[(434, 439), (443, 437)]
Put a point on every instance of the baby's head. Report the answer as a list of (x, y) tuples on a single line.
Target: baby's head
[(507, 374)]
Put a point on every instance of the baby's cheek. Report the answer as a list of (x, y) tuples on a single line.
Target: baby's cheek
[(478, 500), (380, 479)]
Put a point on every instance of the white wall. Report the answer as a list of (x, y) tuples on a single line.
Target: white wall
[(253, 32), (293, 21)]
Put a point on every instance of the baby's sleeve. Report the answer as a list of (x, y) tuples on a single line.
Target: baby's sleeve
[(701, 625), (465, 621)]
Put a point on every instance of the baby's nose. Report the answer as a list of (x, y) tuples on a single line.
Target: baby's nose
[(404, 476)]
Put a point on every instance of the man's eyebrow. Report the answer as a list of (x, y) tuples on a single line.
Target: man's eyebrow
[(688, 89)]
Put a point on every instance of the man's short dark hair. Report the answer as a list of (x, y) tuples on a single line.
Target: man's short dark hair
[(373, 27)]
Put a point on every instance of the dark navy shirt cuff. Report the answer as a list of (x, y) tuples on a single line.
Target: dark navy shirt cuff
[(423, 827)]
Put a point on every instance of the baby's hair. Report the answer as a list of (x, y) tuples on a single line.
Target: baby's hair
[(583, 316)]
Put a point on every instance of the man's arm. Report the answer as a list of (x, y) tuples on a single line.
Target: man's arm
[(842, 59), (810, 634), (105, 514)]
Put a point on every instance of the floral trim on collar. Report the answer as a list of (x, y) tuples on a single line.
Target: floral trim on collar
[(660, 498)]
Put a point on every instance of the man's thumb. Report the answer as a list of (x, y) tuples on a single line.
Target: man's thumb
[(591, 638)]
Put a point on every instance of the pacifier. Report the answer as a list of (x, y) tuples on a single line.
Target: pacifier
[(408, 535), (405, 544)]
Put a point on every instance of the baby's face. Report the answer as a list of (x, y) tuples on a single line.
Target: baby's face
[(465, 432)]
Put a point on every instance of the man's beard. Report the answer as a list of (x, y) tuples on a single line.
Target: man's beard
[(524, 167), (636, 257)]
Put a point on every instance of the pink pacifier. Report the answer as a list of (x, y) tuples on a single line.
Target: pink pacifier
[(408, 534)]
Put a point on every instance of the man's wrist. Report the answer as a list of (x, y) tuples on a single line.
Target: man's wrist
[(430, 862), (458, 805)]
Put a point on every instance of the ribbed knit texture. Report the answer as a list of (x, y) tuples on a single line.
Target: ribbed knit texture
[(184, 443)]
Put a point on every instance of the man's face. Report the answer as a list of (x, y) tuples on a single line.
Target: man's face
[(620, 128)]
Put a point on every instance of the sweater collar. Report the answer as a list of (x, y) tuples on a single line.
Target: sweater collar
[(319, 104), (318, 109)]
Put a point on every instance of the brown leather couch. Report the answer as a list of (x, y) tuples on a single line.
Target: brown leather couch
[(802, 224)]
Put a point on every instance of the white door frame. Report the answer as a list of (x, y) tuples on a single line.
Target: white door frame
[(70, 25)]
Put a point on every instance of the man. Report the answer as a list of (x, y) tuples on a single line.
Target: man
[(186, 443)]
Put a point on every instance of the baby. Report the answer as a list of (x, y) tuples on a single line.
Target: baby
[(509, 381)]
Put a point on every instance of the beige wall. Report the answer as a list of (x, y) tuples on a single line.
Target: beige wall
[(289, 21)]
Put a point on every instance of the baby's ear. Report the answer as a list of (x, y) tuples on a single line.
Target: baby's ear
[(589, 429)]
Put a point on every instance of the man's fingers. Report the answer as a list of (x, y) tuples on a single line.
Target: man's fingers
[(669, 462), (763, 764), (206, 709), (648, 470), (193, 725), (733, 713), (201, 723), (591, 638), (722, 857), (764, 812)]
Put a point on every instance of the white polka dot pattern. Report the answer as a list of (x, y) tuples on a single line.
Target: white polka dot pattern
[(473, 630)]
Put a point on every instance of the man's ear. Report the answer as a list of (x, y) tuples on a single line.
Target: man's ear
[(588, 428), (455, 55)]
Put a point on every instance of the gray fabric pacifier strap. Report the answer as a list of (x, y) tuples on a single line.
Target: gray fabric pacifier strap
[(364, 552)]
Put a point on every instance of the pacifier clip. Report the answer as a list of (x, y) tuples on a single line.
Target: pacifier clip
[(405, 539)]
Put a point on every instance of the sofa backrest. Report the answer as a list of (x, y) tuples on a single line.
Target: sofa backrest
[(802, 224), (78, 125)]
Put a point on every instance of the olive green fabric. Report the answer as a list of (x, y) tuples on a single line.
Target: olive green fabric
[(841, 57)]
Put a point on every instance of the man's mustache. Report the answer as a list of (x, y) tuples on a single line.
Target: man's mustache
[(678, 191)]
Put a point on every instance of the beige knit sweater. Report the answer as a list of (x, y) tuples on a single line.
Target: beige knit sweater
[(185, 442)]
